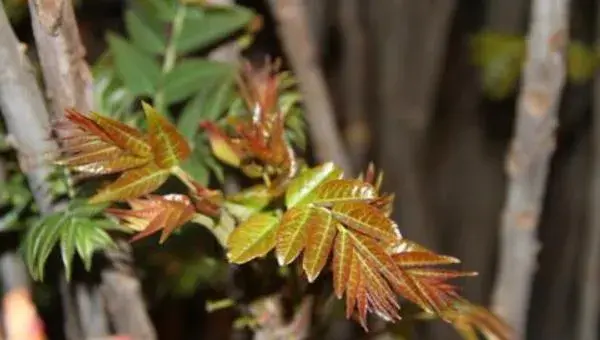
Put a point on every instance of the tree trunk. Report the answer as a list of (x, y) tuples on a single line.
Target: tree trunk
[(588, 314), (528, 159)]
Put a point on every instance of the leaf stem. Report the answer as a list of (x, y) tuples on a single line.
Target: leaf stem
[(170, 55)]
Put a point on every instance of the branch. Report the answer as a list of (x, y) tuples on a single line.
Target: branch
[(69, 84), (25, 113), (298, 44), (529, 157), (587, 327)]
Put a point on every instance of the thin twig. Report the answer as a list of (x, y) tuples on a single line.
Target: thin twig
[(300, 50), (528, 159)]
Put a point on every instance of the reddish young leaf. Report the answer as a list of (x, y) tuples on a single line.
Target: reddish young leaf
[(366, 219), (343, 190), (342, 258), (154, 213), (382, 299), (321, 233), (168, 145), (124, 136), (132, 184), (253, 238), (89, 148), (226, 151)]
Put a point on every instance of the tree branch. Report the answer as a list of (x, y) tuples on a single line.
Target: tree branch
[(298, 44), (529, 157)]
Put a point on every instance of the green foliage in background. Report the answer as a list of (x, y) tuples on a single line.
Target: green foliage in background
[(500, 58)]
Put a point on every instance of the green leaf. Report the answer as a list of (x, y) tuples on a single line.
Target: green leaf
[(581, 62), (163, 9), (143, 35), (192, 75), (211, 101), (139, 71), (89, 239), (500, 57), (253, 238), (256, 197), (75, 230), (67, 245), (301, 188), (202, 28)]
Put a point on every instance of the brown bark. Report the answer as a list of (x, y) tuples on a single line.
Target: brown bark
[(352, 82), (409, 40), (589, 308), (528, 159)]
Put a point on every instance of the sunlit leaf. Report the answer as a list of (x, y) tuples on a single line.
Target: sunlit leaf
[(343, 190), (302, 187), (123, 135), (256, 197), (291, 234), (342, 257), (155, 213), (320, 236), (133, 183), (367, 220), (169, 147), (254, 238), (220, 145)]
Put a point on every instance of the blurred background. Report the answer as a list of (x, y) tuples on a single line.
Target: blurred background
[(426, 89)]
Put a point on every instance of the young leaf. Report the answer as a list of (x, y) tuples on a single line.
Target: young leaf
[(321, 233), (342, 258), (302, 187), (291, 234), (149, 215), (204, 28), (367, 220), (256, 197), (191, 76), (343, 190), (253, 238), (169, 147), (132, 184), (140, 72), (143, 35), (123, 135), (76, 229)]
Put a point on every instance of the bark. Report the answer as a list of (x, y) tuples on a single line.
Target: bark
[(353, 80), (528, 159), (409, 40), (300, 49), (25, 113), (69, 84), (588, 314)]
